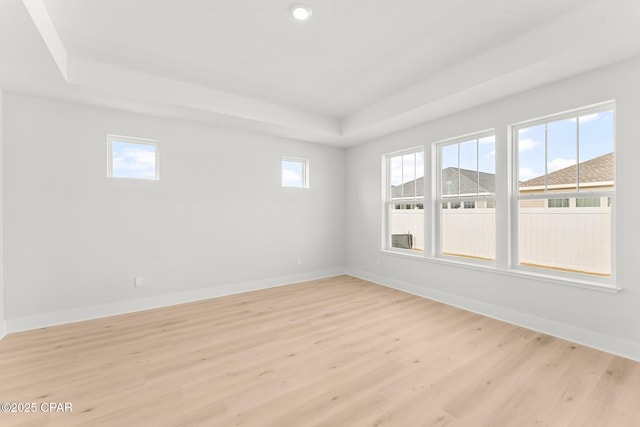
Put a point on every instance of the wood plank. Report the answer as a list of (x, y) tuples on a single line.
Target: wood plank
[(331, 352)]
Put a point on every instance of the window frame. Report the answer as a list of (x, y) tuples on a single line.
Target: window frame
[(515, 196), (305, 171), (460, 200), (132, 140), (389, 202)]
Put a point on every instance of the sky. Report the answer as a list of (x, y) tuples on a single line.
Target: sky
[(595, 139), (475, 154), (292, 174), (131, 160), (478, 154), (407, 167), (595, 133)]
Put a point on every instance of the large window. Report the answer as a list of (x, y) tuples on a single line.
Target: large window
[(553, 217), (565, 187), (405, 200), (132, 158), (466, 197)]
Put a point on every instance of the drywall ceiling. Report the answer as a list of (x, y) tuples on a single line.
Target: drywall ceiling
[(358, 69)]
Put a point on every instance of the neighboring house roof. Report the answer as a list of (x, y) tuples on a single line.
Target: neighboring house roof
[(468, 184), (599, 169), (409, 189)]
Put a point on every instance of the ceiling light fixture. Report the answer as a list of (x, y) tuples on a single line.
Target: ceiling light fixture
[(300, 12)]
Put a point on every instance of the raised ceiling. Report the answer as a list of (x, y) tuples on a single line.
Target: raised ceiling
[(356, 70)]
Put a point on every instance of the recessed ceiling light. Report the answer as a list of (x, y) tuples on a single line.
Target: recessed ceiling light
[(300, 12)]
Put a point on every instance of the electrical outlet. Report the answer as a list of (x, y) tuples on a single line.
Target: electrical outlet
[(139, 281), (298, 260)]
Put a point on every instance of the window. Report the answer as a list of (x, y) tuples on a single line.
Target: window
[(405, 200), (466, 181), (566, 161), (559, 197), (588, 202), (132, 158), (558, 203), (295, 172)]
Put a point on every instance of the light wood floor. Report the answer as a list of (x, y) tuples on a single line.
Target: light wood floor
[(335, 352)]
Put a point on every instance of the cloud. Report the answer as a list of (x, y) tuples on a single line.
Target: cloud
[(396, 174), (291, 178), (588, 118), (527, 174), (134, 163), (528, 144), (487, 140), (559, 163)]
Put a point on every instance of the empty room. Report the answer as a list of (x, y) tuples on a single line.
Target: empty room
[(319, 213)]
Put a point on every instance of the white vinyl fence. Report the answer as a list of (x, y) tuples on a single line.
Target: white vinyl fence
[(409, 221), (576, 239), (469, 232)]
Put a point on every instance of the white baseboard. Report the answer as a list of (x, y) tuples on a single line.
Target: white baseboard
[(3, 329), (617, 346), (112, 309)]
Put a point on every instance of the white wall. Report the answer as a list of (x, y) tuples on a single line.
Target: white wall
[(74, 239), (2, 322), (604, 320), (217, 222)]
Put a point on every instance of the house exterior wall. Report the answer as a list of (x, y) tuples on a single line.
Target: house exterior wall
[(564, 189)]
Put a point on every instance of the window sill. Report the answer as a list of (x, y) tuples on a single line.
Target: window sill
[(523, 274)]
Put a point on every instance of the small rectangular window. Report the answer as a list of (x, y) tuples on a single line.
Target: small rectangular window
[(295, 172), (134, 158)]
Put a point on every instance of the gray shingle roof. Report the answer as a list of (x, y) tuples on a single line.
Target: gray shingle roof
[(468, 184), (599, 169), (409, 189)]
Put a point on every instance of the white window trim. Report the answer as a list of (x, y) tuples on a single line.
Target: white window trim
[(504, 208), (520, 273), (305, 171), (133, 140)]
